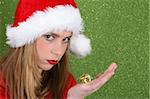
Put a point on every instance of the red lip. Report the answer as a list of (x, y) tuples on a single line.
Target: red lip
[(52, 62)]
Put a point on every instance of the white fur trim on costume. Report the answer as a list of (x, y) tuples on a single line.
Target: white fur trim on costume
[(55, 19), (80, 45)]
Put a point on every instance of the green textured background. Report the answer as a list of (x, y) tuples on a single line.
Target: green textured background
[(118, 30)]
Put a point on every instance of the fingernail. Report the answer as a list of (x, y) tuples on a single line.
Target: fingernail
[(115, 65), (113, 73)]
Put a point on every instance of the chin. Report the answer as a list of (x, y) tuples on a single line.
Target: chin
[(46, 67)]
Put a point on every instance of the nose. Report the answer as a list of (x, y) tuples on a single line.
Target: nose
[(57, 50)]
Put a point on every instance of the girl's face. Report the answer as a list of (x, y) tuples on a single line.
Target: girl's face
[(51, 47)]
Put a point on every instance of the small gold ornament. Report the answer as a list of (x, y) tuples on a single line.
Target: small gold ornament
[(85, 78)]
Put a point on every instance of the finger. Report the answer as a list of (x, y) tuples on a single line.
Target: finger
[(104, 78), (101, 80), (111, 68), (98, 75), (108, 73)]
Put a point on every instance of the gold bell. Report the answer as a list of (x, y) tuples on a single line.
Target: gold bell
[(85, 78)]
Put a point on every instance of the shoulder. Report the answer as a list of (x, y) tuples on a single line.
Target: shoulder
[(70, 83), (3, 89), (2, 81), (71, 80)]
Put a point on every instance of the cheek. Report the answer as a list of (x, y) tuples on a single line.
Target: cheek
[(64, 49), (42, 49)]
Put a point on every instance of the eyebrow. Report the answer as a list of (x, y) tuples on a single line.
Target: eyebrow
[(55, 34), (59, 35)]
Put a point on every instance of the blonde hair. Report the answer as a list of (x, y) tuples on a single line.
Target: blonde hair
[(23, 78)]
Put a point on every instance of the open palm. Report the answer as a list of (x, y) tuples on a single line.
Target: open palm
[(80, 91)]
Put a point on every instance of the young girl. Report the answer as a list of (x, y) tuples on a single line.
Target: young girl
[(36, 66)]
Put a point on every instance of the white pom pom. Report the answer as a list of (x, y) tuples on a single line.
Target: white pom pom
[(80, 45)]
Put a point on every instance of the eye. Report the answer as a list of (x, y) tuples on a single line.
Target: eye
[(66, 40), (49, 37)]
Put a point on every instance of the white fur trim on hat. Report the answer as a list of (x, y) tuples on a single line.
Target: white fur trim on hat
[(55, 19)]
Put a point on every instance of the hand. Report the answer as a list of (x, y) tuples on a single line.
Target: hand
[(80, 91)]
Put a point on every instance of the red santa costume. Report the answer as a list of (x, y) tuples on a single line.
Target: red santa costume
[(33, 18)]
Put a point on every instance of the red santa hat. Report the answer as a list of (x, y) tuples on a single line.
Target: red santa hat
[(33, 18)]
